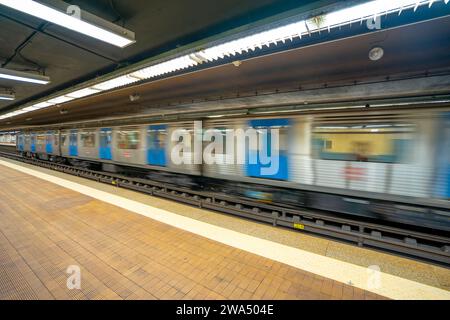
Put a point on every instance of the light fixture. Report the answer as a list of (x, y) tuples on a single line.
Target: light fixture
[(23, 76), (101, 29), (7, 96), (376, 53), (28, 109), (116, 82), (44, 104), (82, 93), (237, 63), (60, 99), (172, 65)]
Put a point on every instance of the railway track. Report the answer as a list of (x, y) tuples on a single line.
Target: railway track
[(420, 245)]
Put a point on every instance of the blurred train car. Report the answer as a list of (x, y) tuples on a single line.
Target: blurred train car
[(8, 138), (390, 167)]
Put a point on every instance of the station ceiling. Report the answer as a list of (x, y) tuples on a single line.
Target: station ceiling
[(31, 44), (415, 50)]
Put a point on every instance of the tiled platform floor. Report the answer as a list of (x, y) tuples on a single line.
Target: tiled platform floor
[(45, 228)]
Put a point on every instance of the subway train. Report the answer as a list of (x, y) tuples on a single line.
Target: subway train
[(8, 138), (392, 166)]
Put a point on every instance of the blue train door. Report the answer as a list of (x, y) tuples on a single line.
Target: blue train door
[(73, 143), (442, 189), (260, 162), (20, 142), (33, 142), (49, 142), (105, 143), (156, 141)]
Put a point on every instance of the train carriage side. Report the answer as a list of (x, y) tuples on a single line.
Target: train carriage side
[(268, 158), (64, 141), (20, 146), (128, 144), (224, 160), (184, 144), (253, 151), (352, 167), (9, 138), (106, 143), (384, 159), (40, 142), (353, 156), (87, 143), (442, 182), (245, 148), (27, 142), (156, 141), (52, 146)]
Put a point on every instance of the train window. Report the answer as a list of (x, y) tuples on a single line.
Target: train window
[(87, 139), (223, 131), (158, 138), (40, 139), (49, 138), (73, 138), (64, 140), (105, 138), (265, 133), (128, 139), (380, 142)]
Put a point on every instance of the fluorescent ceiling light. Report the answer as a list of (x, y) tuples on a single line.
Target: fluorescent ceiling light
[(28, 109), (359, 13), (60, 99), (7, 96), (23, 76), (70, 22), (166, 67), (83, 93), (13, 114), (116, 82), (43, 105)]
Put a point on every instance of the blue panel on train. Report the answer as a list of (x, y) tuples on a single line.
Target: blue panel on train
[(269, 123), (442, 185), (261, 163), (20, 143), (33, 142), (105, 143), (48, 142), (73, 143), (156, 141), (448, 182), (446, 156), (447, 152)]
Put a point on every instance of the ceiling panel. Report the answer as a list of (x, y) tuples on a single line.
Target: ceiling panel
[(414, 50), (160, 25)]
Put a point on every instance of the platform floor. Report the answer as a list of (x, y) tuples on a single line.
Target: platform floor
[(44, 228)]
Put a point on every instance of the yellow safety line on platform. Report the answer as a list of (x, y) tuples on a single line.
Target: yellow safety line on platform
[(380, 283)]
